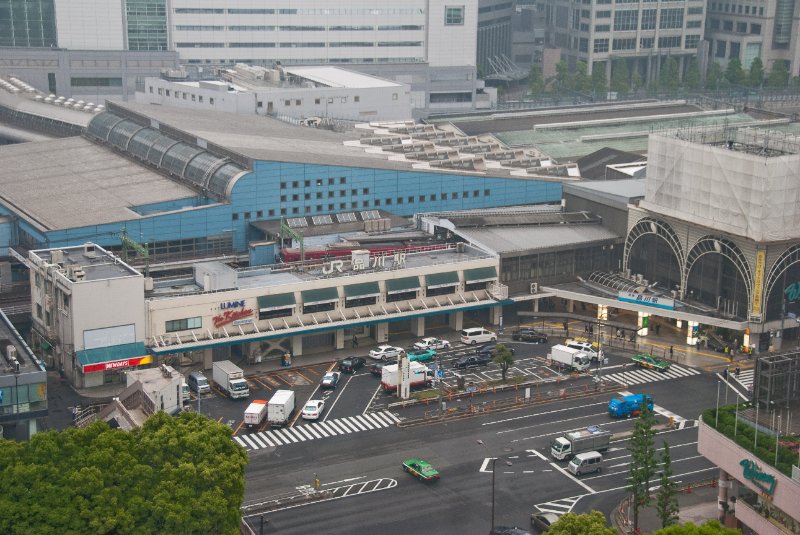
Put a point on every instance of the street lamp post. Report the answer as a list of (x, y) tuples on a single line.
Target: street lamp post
[(494, 461)]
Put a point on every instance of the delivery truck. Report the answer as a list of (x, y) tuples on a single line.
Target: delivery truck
[(280, 408), (569, 357), (593, 438), (419, 373), (230, 379), (255, 412), (627, 406)]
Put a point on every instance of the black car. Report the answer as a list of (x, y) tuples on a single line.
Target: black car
[(377, 368), (470, 361), (529, 335), (487, 349), (351, 364), (506, 530)]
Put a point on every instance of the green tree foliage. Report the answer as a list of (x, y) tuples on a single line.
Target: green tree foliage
[(711, 527), (779, 75), (636, 81), (599, 86), (620, 76), (734, 73), (173, 475), (502, 356), (593, 523), (666, 499), (536, 80), (692, 77), (583, 84), (670, 75), (563, 77), (755, 76), (715, 76), (643, 462)]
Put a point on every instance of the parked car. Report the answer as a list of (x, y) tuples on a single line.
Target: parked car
[(471, 361), (506, 530), (477, 335), (385, 352), (543, 521), (330, 380), (432, 343), (490, 347), (377, 368), (420, 469), (421, 355), (529, 335), (351, 364), (313, 409)]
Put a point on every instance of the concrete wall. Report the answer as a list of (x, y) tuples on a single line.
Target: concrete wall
[(90, 24), (107, 303)]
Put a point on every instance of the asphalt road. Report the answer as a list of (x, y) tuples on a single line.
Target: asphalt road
[(370, 492)]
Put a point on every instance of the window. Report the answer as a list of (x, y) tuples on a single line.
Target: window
[(98, 82), (295, 210), (365, 191), (487, 192), (626, 20), (353, 192), (356, 99), (331, 193), (271, 212), (694, 23), (444, 196), (465, 195), (649, 19), (399, 200), (353, 205), (38, 311), (319, 208), (388, 201), (603, 15), (183, 324), (410, 199), (235, 217), (287, 103), (646, 42), (306, 196), (602, 28), (755, 29), (342, 205), (669, 42), (295, 184), (735, 52), (433, 196), (741, 27), (727, 25), (365, 204), (600, 45), (307, 183), (330, 182), (624, 44), (295, 197), (342, 180), (247, 215), (713, 24), (283, 211), (671, 18), (422, 198), (319, 195), (316, 101), (454, 15), (691, 41), (455, 195)]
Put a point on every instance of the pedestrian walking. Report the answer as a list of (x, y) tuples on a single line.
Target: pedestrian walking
[(619, 333), (671, 350), (658, 329), (725, 373), (736, 371), (591, 329), (355, 341)]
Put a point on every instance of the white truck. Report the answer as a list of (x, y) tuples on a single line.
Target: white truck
[(230, 379), (280, 408), (593, 438), (255, 412), (569, 357), (419, 373)]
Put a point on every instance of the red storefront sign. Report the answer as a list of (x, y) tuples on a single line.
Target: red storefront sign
[(229, 316), (116, 364)]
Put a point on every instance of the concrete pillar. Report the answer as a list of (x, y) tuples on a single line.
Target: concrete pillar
[(535, 305), (456, 321), (207, 357), (297, 346), (339, 339), (641, 322), (382, 333), (495, 313), (418, 326), (246, 347), (570, 306), (692, 328), (722, 495)]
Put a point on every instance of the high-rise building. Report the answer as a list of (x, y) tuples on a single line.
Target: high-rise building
[(29, 23)]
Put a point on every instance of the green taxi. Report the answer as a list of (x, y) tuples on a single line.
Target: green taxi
[(646, 360), (420, 469)]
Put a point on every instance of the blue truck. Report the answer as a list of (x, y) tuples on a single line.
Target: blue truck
[(627, 406)]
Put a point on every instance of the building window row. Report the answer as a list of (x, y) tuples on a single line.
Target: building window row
[(183, 95), (739, 9), (319, 182), (184, 324), (727, 25), (323, 11)]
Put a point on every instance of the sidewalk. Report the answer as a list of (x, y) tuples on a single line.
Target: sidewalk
[(696, 506)]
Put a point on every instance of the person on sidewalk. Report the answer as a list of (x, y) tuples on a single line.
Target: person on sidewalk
[(355, 341), (671, 350)]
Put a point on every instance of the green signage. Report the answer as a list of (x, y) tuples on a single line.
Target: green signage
[(752, 472)]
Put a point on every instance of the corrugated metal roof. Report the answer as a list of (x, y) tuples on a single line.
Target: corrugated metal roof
[(535, 238)]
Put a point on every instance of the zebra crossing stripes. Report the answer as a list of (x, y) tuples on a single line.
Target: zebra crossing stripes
[(317, 430), (558, 507), (745, 378), (638, 375)]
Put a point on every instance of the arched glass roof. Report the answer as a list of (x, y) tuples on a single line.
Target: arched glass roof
[(194, 165)]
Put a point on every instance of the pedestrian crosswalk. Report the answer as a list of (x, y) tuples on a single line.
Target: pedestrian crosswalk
[(745, 378), (316, 430), (635, 376), (558, 507)]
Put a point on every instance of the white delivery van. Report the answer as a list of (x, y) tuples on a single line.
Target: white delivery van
[(585, 463), (477, 335)]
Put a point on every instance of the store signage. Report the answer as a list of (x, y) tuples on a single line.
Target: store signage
[(792, 292), (232, 304), (230, 316), (649, 300), (117, 364), (358, 264), (752, 472)]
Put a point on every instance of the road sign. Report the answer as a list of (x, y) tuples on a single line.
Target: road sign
[(440, 374)]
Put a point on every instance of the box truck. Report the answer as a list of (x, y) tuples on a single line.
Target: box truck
[(627, 406), (280, 408), (255, 412), (593, 438), (419, 374), (569, 357), (230, 379)]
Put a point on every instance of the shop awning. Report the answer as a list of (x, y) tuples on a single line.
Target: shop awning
[(405, 284), (484, 274), (365, 289), (276, 302), (439, 280), (108, 358), (320, 295)]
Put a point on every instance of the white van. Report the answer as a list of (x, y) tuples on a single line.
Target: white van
[(198, 382), (596, 355), (477, 335), (584, 463), (185, 397)]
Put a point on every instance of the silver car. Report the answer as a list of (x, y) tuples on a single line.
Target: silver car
[(385, 352)]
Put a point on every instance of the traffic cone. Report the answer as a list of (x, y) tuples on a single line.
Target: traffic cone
[(689, 488)]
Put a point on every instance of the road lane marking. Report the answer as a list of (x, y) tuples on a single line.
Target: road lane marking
[(504, 420), (573, 478), (539, 455)]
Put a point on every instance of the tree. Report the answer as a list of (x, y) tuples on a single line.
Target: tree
[(563, 77), (715, 76), (711, 527), (692, 78), (536, 81), (502, 355), (643, 462), (666, 500), (755, 76), (599, 86), (620, 76), (593, 523), (734, 73), (779, 75), (172, 475), (670, 76), (582, 82), (636, 81)]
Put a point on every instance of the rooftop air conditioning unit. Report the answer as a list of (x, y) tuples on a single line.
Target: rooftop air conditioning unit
[(534, 287)]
